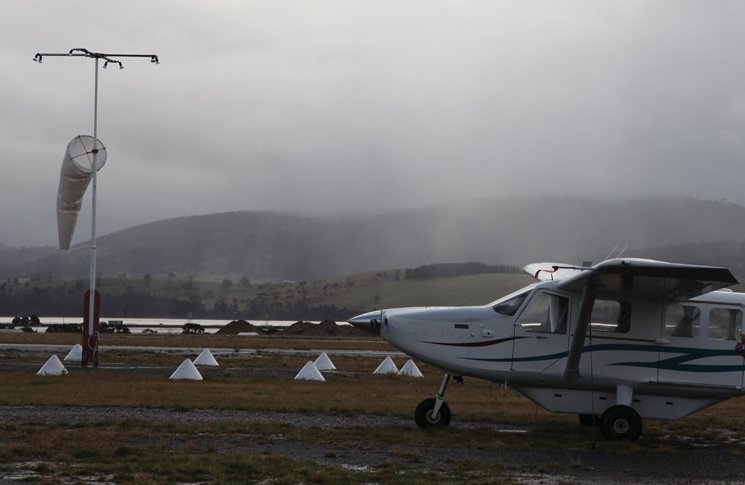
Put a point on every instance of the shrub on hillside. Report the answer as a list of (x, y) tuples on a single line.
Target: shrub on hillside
[(65, 328), (447, 270)]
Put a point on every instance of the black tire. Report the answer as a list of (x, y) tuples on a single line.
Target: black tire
[(620, 423), (423, 414), (586, 420)]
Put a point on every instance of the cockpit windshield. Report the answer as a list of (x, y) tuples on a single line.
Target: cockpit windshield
[(509, 304)]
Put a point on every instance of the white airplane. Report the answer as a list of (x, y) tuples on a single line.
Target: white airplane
[(615, 343)]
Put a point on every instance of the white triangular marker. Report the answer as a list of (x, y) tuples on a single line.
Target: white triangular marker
[(206, 358), (410, 369), (324, 363), (75, 354), (310, 373), (387, 367), (53, 367), (187, 371)]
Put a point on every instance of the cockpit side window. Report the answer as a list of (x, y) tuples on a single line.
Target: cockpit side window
[(725, 324), (510, 307), (682, 320), (546, 313)]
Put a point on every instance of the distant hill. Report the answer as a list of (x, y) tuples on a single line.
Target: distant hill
[(275, 246), (727, 253)]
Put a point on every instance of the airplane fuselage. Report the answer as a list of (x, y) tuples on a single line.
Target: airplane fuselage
[(671, 357)]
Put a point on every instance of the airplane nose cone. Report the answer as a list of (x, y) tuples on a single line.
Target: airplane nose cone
[(369, 322)]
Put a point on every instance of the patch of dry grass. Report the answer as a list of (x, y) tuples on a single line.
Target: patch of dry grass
[(345, 393)]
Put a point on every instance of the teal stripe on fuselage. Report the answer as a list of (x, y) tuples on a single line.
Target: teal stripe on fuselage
[(673, 363)]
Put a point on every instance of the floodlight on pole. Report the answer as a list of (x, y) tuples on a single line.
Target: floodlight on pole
[(91, 345)]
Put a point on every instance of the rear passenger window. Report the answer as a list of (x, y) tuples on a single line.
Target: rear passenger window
[(611, 316), (682, 320), (725, 324)]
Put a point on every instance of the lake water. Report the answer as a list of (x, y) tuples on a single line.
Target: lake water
[(161, 325)]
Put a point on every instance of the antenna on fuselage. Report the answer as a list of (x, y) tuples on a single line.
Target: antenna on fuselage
[(617, 255), (611, 252), (624, 249)]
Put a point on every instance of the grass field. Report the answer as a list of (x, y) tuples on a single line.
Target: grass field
[(457, 291), (134, 452), (95, 453), (352, 390)]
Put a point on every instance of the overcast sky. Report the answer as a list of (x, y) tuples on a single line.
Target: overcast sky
[(338, 106)]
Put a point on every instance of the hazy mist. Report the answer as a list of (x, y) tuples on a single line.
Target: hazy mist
[(273, 246), (368, 107)]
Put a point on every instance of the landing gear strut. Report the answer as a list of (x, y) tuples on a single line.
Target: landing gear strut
[(434, 411)]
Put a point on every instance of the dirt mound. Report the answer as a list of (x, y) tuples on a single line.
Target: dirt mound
[(325, 328), (237, 326)]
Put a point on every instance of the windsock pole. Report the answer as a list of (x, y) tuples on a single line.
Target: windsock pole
[(90, 340), (91, 343)]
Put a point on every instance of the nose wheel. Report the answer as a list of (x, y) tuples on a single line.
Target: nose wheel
[(434, 411), (425, 415)]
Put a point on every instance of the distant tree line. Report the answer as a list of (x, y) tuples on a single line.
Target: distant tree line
[(33, 300), (67, 301), (446, 270)]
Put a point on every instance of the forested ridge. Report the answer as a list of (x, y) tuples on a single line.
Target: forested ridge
[(66, 300), (334, 298)]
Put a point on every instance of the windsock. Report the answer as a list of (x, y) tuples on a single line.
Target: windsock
[(75, 175)]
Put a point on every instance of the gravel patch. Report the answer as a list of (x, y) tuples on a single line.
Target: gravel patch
[(549, 467), (77, 415)]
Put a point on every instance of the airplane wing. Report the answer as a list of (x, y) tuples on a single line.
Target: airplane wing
[(552, 271), (654, 279), (643, 277)]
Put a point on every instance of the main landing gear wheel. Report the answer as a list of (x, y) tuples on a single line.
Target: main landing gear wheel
[(620, 423), (424, 417)]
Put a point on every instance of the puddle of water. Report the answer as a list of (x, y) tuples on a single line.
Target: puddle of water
[(29, 465), (356, 468), (21, 475)]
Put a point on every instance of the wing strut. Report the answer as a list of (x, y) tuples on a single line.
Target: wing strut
[(571, 371)]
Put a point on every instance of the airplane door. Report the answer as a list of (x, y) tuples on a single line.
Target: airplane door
[(540, 338), (701, 345)]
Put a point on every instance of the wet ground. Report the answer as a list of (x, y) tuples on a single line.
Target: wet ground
[(548, 467), (530, 467)]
